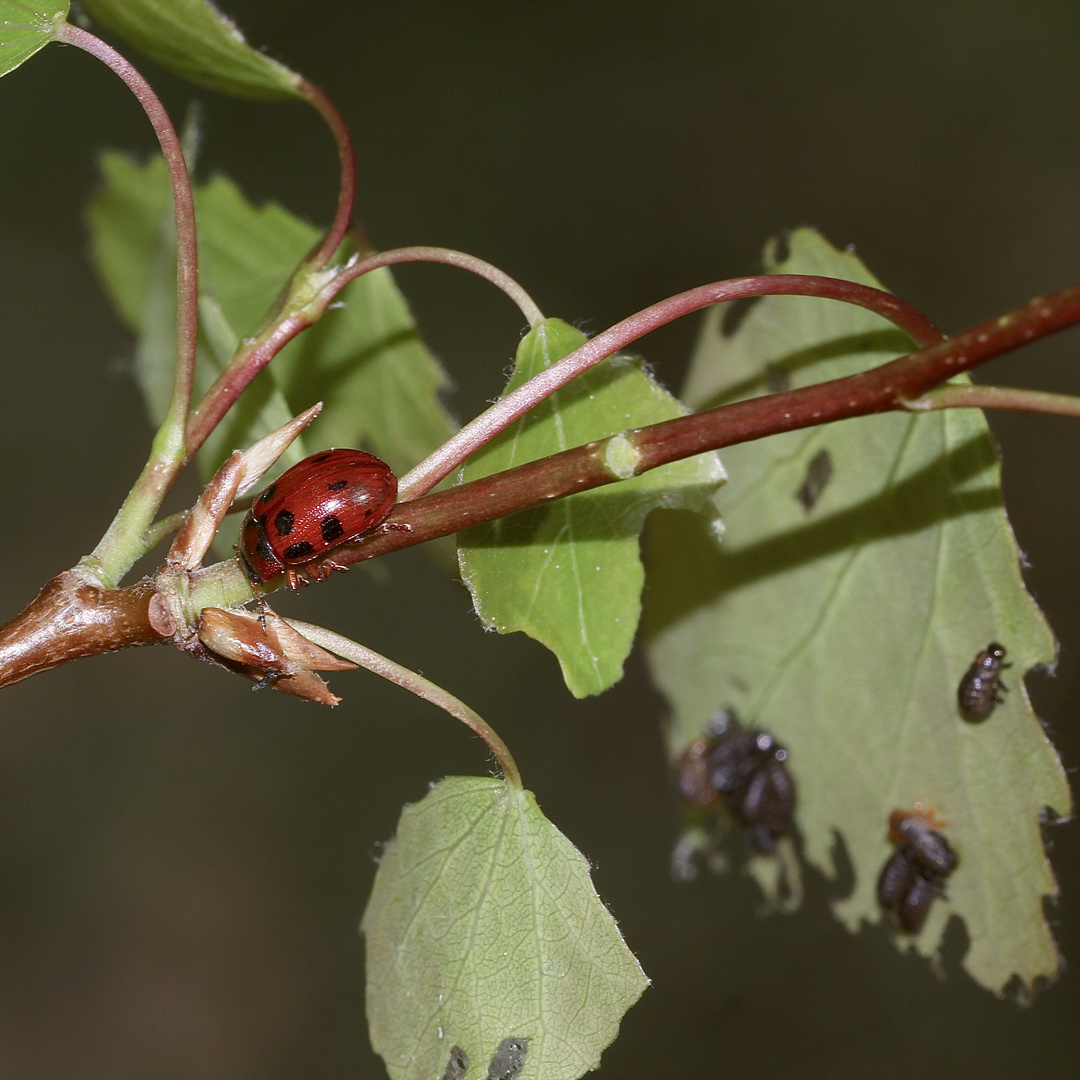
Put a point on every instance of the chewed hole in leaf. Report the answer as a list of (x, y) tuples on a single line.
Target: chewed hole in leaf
[(846, 635)]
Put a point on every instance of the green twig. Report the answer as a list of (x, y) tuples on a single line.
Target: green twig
[(417, 684), (995, 397), (121, 544)]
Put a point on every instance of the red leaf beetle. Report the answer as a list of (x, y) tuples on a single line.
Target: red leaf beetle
[(329, 499)]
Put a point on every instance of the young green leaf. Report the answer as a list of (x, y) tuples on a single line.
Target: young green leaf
[(25, 27), (570, 574), (194, 40), (863, 567), (134, 245), (365, 359), (483, 925)]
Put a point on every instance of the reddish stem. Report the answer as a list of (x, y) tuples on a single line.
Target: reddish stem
[(891, 386), (347, 192), (187, 258), (84, 621), (253, 357), (71, 619), (1013, 398), (507, 410)]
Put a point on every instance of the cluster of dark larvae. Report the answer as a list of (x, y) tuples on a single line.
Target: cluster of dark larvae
[(915, 873), (745, 770)]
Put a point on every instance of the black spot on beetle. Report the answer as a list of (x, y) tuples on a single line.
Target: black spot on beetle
[(337, 485), (268, 494), (457, 1066), (283, 522), (320, 457), (508, 1060), (298, 551), (818, 474), (263, 549), (332, 529)]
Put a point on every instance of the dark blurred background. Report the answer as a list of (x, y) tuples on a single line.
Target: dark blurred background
[(185, 863)]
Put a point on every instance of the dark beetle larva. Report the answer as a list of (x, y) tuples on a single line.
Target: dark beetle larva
[(917, 833), (980, 688), (746, 770), (914, 875)]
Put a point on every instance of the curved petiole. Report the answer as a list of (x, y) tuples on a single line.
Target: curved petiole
[(302, 313), (416, 684), (995, 397), (514, 405), (122, 542), (347, 191)]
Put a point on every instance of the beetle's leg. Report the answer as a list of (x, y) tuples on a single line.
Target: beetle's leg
[(387, 527)]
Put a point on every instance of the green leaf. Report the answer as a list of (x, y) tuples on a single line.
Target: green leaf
[(365, 359), (484, 924), (570, 574), (127, 218), (26, 27), (843, 608), (134, 247), (194, 40)]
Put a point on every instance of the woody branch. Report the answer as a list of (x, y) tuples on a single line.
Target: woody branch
[(71, 620)]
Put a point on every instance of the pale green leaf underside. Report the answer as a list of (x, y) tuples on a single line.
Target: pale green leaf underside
[(364, 360), (570, 574), (845, 629), (484, 924), (194, 40), (26, 27)]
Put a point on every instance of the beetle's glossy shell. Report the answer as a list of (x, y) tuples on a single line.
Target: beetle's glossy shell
[(326, 500)]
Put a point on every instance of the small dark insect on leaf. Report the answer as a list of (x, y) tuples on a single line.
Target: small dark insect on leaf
[(915, 904), (457, 1066), (915, 873), (980, 689), (508, 1060), (895, 879), (818, 474), (918, 834), (745, 769)]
